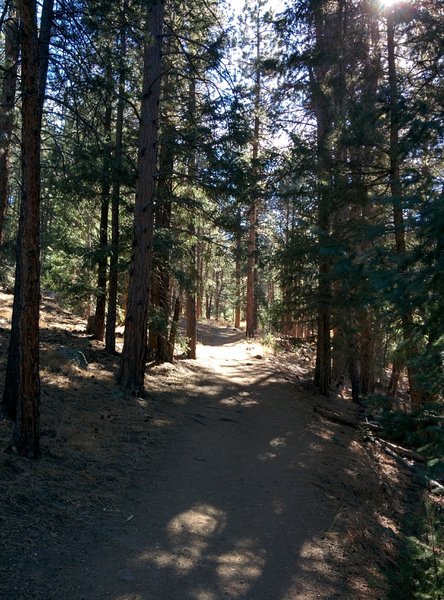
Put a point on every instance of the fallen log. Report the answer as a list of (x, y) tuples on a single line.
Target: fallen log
[(351, 422), (336, 418), (404, 461), (406, 452)]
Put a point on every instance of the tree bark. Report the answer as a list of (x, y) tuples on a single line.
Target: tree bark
[(191, 328), (132, 367), (111, 319), (322, 108), (238, 278), (22, 384), (251, 306), (173, 330), (398, 217), (162, 223), (46, 22), (12, 47), (102, 261)]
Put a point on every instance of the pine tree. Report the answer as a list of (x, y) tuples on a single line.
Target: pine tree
[(132, 367)]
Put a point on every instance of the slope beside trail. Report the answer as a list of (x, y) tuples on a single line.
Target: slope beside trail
[(221, 484)]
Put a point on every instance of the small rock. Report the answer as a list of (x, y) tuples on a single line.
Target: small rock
[(75, 356)]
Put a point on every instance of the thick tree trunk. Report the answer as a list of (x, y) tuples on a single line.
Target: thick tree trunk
[(22, 384), (12, 46), (132, 367)]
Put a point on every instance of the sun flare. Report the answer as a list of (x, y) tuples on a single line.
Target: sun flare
[(389, 3)]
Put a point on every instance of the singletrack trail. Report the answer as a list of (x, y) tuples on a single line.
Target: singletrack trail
[(222, 483), (232, 506)]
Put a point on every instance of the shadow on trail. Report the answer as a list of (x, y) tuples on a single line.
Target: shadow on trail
[(233, 512), (219, 482)]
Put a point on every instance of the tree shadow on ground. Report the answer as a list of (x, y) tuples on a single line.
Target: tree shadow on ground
[(210, 488)]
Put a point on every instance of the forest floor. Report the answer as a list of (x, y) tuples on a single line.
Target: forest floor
[(223, 483)]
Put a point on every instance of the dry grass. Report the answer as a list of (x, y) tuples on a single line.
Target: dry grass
[(94, 443)]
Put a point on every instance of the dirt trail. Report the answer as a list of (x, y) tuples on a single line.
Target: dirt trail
[(233, 509), (233, 512), (223, 483)]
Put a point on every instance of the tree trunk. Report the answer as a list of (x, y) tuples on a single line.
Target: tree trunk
[(217, 294), (200, 275), (323, 109), (251, 307), (363, 160), (367, 354), (173, 330), (397, 367), (22, 384), (132, 367), (238, 279), (161, 272), (46, 22), (250, 330), (191, 329), (12, 46), (102, 262), (110, 336), (208, 305), (398, 216)]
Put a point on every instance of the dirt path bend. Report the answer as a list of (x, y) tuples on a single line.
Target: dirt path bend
[(233, 507)]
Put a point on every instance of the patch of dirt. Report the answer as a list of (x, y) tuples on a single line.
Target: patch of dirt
[(222, 483)]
